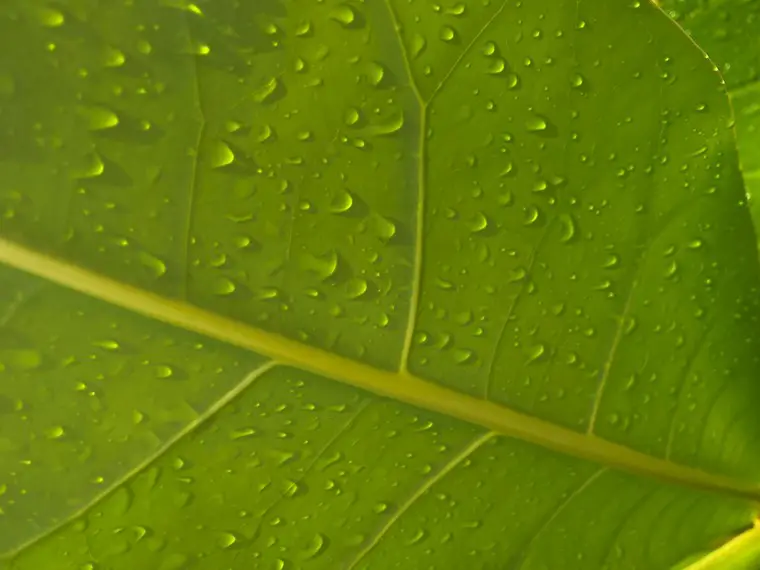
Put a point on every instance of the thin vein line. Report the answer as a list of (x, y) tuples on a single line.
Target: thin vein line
[(610, 358), (373, 541), (682, 386), (557, 511), (510, 311), (314, 460), (414, 301), (466, 51), (188, 229), (132, 473), (401, 387)]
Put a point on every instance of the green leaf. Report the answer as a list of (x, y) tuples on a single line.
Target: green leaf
[(370, 285), (727, 31)]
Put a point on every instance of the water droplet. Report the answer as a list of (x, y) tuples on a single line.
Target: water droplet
[(152, 263), (386, 229), (55, 432), (536, 353), (51, 18), (342, 202), (380, 508), (223, 286), (344, 15), (266, 91), (536, 124), (448, 34), (497, 66), (164, 371), (418, 45), (577, 80), (463, 356), (568, 228), (107, 344), (376, 73), (352, 116), (221, 155), (226, 540), (99, 118), (356, 287), (317, 546), (480, 223)]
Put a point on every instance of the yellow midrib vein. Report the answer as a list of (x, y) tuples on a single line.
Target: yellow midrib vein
[(402, 387)]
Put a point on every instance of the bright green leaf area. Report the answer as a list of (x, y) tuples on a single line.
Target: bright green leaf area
[(728, 31), (371, 285)]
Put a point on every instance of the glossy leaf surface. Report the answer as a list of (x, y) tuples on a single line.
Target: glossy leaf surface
[(370, 285)]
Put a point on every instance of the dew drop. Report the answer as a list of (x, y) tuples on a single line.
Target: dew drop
[(342, 202), (222, 155), (223, 286), (448, 34), (344, 15), (55, 432), (266, 91), (536, 124), (568, 228), (356, 287), (480, 223), (152, 263), (164, 371), (418, 45)]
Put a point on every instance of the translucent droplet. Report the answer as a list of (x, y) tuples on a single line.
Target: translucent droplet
[(226, 540), (577, 80), (51, 18), (376, 73), (536, 353), (223, 286), (356, 288), (164, 371), (386, 228), (480, 223), (54, 432), (99, 118), (266, 91), (352, 116), (222, 155), (448, 34), (536, 124), (108, 344), (152, 263), (418, 45), (568, 228), (317, 546), (343, 14), (497, 66)]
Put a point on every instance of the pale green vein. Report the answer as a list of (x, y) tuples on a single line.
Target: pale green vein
[(189, 428), (188, 228), (343, 429), (556, 512), (427, 483), (402, 387), (610, 359), (414, 301)]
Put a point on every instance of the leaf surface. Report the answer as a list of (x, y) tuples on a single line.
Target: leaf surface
[(727, 31), (369, 285)]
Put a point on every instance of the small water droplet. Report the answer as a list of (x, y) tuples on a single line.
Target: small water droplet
[(344, 15), (223, 286), (448, 34), (266, 91), (568, 228), (164, 371), (108, 344), (55, 432), (536, 353), (221, 155), (152, 263), (356, 287), (536, 124), (480, 223)]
